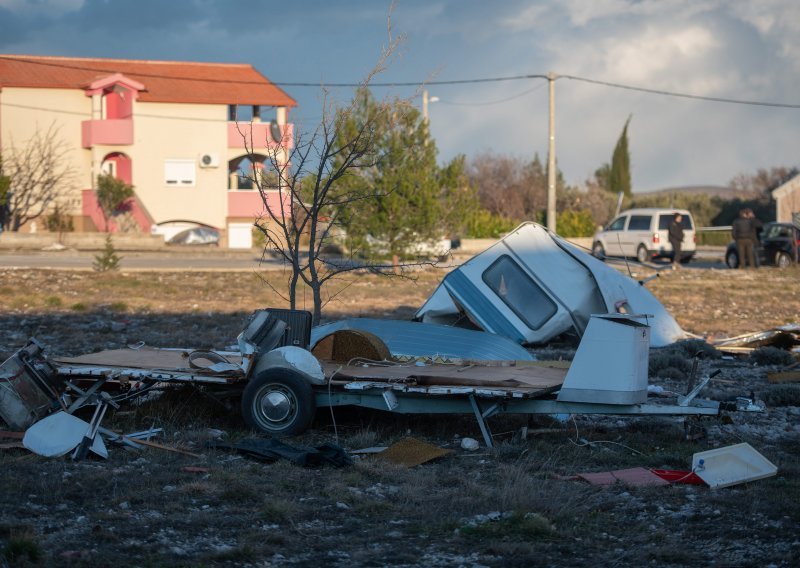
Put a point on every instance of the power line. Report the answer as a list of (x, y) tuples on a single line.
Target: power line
[(498, 101), (414, 83), (319, 84), (674, 94)]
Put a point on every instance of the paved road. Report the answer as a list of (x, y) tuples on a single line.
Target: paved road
[(136, 260), (212, 260)]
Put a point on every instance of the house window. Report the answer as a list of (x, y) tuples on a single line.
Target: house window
[(180, 173), (519, 292)]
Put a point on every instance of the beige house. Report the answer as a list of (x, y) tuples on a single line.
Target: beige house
[(177, 131), (787, 201)]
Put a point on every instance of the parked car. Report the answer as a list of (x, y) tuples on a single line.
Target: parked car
[(779, 246), (196, 236), (642, 234)]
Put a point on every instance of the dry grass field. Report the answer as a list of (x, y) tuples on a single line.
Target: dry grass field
[(500, 507)]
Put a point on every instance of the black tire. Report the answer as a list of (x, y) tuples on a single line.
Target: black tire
[(598, 251), (641, 254), (783, 260), (279, 402), (732, 259)]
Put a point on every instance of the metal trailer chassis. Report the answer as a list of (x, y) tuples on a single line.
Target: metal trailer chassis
[(459, 401)]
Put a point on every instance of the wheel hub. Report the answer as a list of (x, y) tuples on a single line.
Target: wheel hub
[(276, 406)]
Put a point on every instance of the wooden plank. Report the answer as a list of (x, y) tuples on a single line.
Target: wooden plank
[(11, 434), (143, 358), (784, 377)]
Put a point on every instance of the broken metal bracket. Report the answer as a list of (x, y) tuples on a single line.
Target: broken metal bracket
[(85, 395), (481, 418), (688, 397)]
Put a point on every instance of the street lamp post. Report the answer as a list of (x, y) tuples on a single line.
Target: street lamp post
[(425, 100)]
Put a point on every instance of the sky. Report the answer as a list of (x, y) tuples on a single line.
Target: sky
[(726, 49)]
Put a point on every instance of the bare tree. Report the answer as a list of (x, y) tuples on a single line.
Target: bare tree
[(40, 171), (304, 201)]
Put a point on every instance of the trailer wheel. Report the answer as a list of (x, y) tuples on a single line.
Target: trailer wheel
[(278, 402)]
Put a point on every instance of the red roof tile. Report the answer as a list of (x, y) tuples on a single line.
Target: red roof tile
[(164, 81)]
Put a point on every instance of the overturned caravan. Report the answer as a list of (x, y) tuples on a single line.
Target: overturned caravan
[(280, 384), (532, 286)]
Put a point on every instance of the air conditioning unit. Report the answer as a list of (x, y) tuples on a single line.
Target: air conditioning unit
[(209, 161)]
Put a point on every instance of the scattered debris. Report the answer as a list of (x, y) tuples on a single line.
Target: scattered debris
[(271, 450), (731, 465), (195, 469), (633, 477), (784, 336), (368, 451), (410, 452), (678, 476), (59, 434)]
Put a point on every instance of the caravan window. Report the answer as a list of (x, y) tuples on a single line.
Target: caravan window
[(519, 292)]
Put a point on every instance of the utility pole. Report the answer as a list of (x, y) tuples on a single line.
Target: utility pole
[(551, 156), (425, 100)]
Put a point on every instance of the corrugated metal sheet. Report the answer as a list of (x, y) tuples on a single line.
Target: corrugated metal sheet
[(418, 339)]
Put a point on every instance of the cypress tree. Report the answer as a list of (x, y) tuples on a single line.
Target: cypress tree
[(619, 178)]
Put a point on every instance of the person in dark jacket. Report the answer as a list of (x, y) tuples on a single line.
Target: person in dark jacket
[(745, 234), (675, 236)]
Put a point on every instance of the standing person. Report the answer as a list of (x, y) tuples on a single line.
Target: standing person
[(758, 226), (675, 235), (744, 233)]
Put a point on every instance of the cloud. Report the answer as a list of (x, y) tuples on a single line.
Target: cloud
[(48, 8), (725, 48)]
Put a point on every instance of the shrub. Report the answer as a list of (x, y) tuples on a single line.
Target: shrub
[(486, 225), (771, 356), (691, 347), (108, 259), (575, 223), (669, 364), (782, 395)]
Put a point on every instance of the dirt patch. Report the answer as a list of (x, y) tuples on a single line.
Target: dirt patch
[(486, 508)]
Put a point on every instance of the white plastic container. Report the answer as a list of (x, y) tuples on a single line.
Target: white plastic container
[(732, 465)]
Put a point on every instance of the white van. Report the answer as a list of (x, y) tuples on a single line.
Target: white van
[(643, 234)]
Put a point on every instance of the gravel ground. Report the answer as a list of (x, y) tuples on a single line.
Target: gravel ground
[(509, 506)]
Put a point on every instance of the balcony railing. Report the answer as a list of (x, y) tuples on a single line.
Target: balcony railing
[(113, 132), (258, 135)]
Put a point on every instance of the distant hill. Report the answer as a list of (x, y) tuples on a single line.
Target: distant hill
[(712, 190)]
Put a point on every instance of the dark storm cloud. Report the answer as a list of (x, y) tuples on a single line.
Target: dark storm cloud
[(12, 28), (127, 18)]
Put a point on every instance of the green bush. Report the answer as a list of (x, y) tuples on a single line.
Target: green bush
[(575, 223), (485, 225), (714, 238)]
